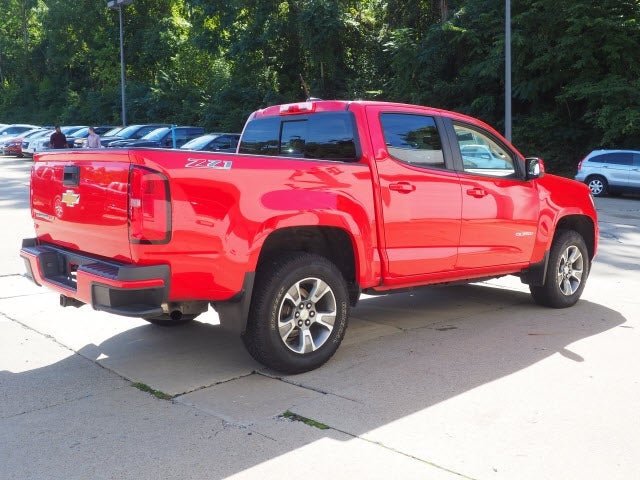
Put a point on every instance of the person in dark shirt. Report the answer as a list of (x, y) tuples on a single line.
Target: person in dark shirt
[(58, 139)]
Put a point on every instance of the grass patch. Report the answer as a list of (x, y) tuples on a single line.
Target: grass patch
[(156, 393), (299, 418)]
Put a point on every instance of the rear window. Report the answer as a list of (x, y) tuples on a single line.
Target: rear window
[(324, 135)]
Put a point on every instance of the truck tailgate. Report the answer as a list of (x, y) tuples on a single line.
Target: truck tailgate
[(79, 201)]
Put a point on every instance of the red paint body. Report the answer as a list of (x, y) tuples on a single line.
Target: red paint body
[(407, 226)]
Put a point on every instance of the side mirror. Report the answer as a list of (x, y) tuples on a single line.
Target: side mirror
[(534, 167)]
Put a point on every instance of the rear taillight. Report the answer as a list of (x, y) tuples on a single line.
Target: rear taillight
[(580, 163), (149, 207)]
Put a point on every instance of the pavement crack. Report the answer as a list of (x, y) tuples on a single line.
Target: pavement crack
[(202, 387), (308, 387), (54, 405)]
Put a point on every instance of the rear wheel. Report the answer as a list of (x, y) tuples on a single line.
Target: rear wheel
[(598, 185), (567, 272), (299, 313)]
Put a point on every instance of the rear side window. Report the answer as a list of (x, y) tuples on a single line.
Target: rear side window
[(327, 136), (413, 139), (620, 158)]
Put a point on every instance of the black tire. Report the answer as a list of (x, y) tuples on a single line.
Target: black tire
[(598, 185), (291, 329), (167, 321), (567, 272)]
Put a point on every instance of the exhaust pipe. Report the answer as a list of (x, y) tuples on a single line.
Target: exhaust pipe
[(70, 302)]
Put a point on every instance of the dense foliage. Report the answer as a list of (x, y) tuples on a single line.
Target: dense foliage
[(210, 62)]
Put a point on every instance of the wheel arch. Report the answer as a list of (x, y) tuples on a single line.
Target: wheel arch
[(595, 175), (330, 242), (582, 224), (333, 243)]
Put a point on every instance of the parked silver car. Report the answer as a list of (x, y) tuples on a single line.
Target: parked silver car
[(610, 171)]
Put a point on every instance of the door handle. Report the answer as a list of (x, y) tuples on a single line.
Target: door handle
[(402, 187), (477, 192)]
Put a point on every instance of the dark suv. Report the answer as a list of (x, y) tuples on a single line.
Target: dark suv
[(164, 137), (610, 171)]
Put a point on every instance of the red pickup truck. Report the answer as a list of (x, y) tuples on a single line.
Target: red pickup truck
[(323, 200)]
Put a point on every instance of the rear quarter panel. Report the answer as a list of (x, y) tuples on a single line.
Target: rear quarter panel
[(224, 206)]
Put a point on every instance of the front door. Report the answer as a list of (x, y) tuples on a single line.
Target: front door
[(499, 208)]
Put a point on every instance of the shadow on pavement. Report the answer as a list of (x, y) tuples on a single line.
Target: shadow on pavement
[(461, 348), (403, 354)]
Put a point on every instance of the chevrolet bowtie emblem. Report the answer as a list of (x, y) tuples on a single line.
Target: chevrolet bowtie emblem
[(70, 198)]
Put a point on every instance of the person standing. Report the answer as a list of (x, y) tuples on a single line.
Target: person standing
[(93, 140), (58, 139)]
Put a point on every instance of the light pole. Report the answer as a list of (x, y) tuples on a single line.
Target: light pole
[(507, 70), (119, 4)]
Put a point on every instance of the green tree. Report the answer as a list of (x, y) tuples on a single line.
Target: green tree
[(576, 77), (212, 62)]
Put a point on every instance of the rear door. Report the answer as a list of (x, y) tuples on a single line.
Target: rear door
[(80, 201), (421, 196)]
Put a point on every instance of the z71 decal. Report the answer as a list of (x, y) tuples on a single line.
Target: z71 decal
[(208, 163)]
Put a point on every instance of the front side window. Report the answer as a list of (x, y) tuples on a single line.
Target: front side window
[(481, 154), (413, 139)]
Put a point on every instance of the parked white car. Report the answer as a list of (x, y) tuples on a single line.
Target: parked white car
[(29, 145)]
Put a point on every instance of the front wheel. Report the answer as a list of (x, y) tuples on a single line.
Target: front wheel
[(299, 313), (566, 274)]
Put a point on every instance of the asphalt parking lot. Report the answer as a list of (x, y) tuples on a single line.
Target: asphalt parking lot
[(465, 382)]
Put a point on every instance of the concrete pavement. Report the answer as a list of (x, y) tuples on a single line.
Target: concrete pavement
[(445, 383)]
